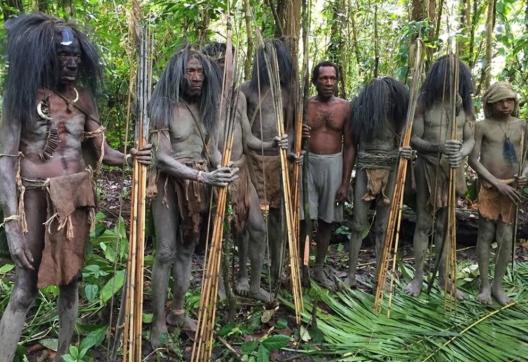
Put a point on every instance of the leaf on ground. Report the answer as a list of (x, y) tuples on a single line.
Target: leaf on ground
[(267, 315), (276, 342), (50, 343)]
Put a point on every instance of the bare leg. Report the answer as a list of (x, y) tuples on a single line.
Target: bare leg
[(421, 234), (165, 222), (68, 310), (242, 286), (257, 247), (486, 232), (504, 239), (380, 227), (322, 239), (14, 316), (360, 227), (25, 289), (442, 272), (182, 280)]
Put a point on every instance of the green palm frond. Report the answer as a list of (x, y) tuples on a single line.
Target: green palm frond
[(421, 328)]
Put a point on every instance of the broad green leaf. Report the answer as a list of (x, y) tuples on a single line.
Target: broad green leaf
[(276, 342), (91, 290), (6, 268), (249, 346), (112, 286), (263, 354), (93, 339)]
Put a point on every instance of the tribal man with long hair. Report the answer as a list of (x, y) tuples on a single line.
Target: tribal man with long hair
[(265, 164), (437, 153), (184, 115), (377, 121), (46, 186)]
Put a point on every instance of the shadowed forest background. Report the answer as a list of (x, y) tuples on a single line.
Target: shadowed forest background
[(367, 39)]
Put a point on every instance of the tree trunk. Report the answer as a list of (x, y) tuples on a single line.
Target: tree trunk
[(355, 45), (425, 10), (485, 79), (250, 46), (336, 49)]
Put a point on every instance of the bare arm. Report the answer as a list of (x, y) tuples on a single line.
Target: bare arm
[(250, 140), (524, 172), (167, 164), (9, 148), (468, 138), (111, 156), (349, 155), (474, 158)]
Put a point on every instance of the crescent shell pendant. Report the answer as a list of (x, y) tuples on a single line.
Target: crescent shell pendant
[(41, 114)]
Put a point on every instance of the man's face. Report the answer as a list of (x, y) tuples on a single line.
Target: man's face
[(69, 55), (326, 81), (194, 78), (503, 108)]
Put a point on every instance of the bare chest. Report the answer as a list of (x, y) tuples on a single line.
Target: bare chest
[(438, 123), (326, 117), (187, 132)]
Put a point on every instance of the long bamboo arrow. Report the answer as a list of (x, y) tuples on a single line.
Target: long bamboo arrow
[(302, 95), (203, 341), (276, 94), (392, 234), (134, 286)]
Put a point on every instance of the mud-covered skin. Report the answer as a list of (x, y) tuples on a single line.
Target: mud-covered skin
[(254, 244), (184, 141), (386, 139), (263, 123), (26, 249), (430, 130), (487, 159), (327, 116)]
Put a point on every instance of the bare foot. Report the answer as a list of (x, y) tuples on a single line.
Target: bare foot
[(242, 286), (484, 296), (182, 321), (320, 277), (158, 335), (260, 294), (349, 282), (500, 296), (453, 290), (414, 288)]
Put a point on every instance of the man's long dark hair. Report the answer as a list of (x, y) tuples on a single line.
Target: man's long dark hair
[(383, 99), (33, 63), (170, 89), (437, 84), (259, 74)]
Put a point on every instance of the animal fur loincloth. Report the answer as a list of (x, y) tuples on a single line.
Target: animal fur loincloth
[(193, 197), (495, 206), (71, 211), (437, 178), (377, 181), (378, 166), (266, 176), (239, 195)]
